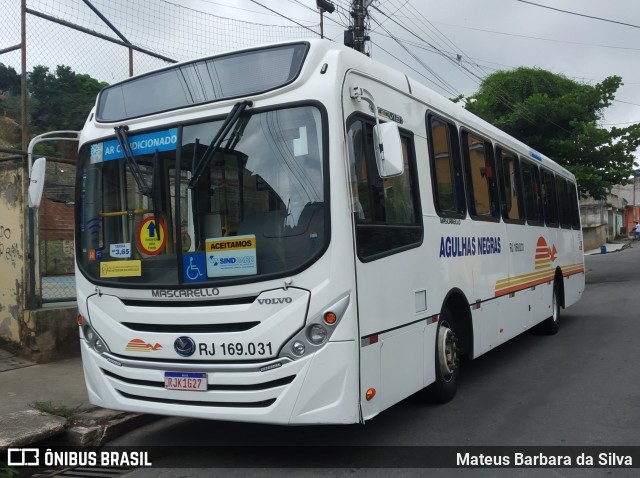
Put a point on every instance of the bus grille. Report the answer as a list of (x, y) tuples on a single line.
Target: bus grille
[(261, 404), (190, 328), (217, 387), (189, 303), (264, 393)]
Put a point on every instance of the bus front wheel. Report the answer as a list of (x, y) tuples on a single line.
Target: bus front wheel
[(447, 361)]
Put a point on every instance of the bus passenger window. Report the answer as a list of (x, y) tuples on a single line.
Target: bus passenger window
[(510, 191), (575, 208), (531, 190), (564, 205), (549, 199), (446, 171), (481, 178)]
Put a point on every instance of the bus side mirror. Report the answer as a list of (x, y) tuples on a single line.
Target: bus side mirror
[(36, 182), (388, 150)]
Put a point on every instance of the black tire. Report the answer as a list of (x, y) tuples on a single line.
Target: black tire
[(447, 361), (551, 325)]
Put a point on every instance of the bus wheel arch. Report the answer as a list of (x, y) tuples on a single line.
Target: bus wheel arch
[(551, 325), (454, 338), (558, 283)]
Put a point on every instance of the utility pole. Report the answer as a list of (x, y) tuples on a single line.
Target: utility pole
[(356, 36), (324, 6)]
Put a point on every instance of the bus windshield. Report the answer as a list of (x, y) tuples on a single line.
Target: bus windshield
[(255, 211)]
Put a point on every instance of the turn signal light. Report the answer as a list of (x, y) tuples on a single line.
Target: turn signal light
[(370, 394), (330, 318), (80, 320)]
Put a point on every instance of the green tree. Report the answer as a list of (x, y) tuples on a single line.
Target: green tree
[(60, 100), (9, 92), (9, 80), (559, 117)]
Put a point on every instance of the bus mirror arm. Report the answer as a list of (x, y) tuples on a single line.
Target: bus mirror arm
[(38, 168), (390, 160)]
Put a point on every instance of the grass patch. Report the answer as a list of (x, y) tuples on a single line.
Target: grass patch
[(6, 471), (58, 410)]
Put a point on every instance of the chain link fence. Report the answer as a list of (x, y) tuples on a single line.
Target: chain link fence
[(109, 40)]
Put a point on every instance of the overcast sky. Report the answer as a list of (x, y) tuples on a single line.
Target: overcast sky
[(472, 38), (488, 35)]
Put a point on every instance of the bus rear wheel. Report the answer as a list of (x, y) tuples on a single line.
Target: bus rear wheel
[(551, 325), (447, 361)]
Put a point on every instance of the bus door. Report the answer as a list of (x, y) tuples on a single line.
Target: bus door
[(391, 290)]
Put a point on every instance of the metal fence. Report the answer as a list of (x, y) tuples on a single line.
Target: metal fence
[(108, 40)]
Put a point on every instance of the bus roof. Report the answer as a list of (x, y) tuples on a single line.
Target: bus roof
[(356, 61)]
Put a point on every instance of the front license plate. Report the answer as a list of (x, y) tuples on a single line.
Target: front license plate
[(193, 381)]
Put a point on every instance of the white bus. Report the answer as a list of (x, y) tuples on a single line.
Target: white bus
[(252, 246)]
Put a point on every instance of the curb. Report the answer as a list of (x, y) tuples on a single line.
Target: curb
[(99, 426), (27, 427), (92, 428)]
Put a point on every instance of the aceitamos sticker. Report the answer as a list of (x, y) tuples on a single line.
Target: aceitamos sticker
[(231, 256)]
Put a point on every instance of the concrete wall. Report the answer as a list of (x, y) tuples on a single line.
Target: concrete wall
[(594, 237), (602, 220), (56, 235), (13, 255), (50, 333)]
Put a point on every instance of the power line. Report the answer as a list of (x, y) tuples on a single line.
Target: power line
[(444, 84), (625, 122), (238, 8), (579, 14), (406, 64), (626, 102), (393, 14), (418, 37), (540, 38), (530, 116), (283, 16), (430, 26)]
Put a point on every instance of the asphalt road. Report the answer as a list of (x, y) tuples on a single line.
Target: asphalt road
[(580, 387)]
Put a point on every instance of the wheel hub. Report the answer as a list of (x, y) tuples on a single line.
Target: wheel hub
[(448, 356)]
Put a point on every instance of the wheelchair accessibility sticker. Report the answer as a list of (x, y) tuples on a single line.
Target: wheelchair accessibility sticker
[(194, 267)]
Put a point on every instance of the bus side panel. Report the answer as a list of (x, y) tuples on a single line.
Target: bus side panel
[(486, 323), (573, 268), (573, 288), (402, 364), (541, 297), (370, 357)]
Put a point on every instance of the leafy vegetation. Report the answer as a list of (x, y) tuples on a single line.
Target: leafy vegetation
[(559, 117), (6, 471), (58, 410), (58, 100)]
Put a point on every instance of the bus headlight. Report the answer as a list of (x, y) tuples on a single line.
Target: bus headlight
[(93, 339), (317, 332), (298, 348), (100, 346)]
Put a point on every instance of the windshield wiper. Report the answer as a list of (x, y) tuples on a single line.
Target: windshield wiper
[(156, 190), (214, 147), (123, 140)]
